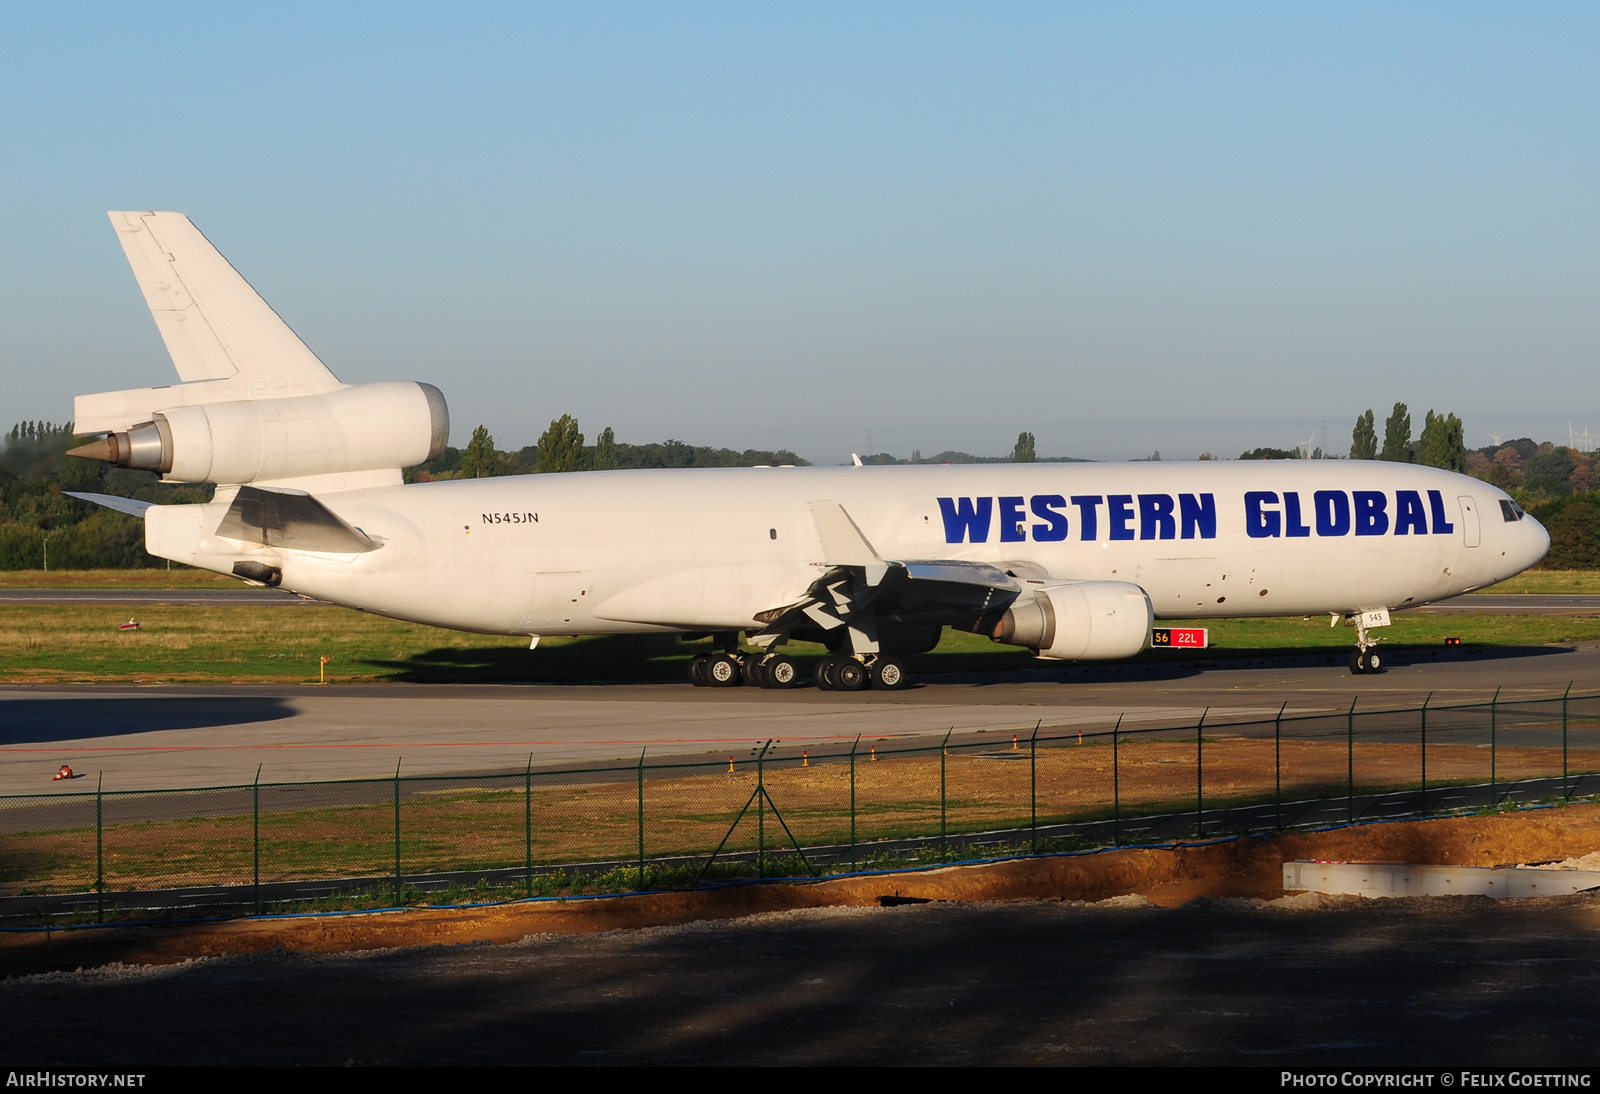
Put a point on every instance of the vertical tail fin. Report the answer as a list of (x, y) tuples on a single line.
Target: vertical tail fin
[(215, 325)]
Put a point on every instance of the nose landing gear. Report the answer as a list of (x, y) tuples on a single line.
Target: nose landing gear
[(1366, 661), (1365, 658)]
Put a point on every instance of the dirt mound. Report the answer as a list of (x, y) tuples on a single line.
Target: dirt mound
[(1170, 876)]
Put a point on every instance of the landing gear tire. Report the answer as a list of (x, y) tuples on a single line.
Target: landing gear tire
[(722, 671), (850, 674), (824, 674), (889, 674), (1366, 662), (779, 671), (697, 670), (753, 669)]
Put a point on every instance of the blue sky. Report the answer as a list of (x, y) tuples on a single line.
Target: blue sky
[(1122, 227)]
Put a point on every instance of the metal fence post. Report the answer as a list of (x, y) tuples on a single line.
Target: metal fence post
[(527, 827), (761, 811), (1277, 767), (641, 817), (1116, 786), (255, 835), (1350, 764), (944, 751), (99, 850), (1199, 776), (853, 748), (1494, 794), (397, 882), (1566, 792), (1033, 788), (1425, 703)]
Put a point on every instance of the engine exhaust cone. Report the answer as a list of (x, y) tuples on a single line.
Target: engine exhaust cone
[(104, 449)]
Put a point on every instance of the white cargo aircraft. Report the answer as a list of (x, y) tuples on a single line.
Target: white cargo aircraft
[(1073, 561)]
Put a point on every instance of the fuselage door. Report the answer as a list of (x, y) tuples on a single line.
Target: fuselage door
[(1469, 520)]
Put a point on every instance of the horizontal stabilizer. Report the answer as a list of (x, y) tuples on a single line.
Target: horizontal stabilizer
[(292, 520), (111, 501)]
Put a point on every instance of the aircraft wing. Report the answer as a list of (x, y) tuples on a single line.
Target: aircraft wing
[(215, 325), (862, 590)]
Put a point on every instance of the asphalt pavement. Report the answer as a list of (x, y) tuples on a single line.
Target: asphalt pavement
[(167, 735)]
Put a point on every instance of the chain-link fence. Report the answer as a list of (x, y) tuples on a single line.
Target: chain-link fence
[(777, 811)]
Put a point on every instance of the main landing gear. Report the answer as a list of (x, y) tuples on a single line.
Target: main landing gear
[(853, 674), (779, 671), (729, 670)]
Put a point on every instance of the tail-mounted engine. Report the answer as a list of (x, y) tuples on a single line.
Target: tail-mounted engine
[(366, 427)]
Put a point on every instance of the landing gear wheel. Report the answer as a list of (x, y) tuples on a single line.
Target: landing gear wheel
[(850, 674), (697, 670), (1365, 662), (779, 671), (889, 674), (722, 671), (824, 674), (753, 669)]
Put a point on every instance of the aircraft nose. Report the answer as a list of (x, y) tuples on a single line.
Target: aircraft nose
[(1536, 541)]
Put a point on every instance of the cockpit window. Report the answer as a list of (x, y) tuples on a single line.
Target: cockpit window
[(1510, 510)]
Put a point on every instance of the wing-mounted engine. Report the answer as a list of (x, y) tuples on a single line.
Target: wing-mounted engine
[(1080, 621), (863, 603)]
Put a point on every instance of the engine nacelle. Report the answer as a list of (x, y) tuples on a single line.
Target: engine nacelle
[(367, 427), (1082, 621)]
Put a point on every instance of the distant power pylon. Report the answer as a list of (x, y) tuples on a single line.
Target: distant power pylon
[(1583, 442), (1498, 438)]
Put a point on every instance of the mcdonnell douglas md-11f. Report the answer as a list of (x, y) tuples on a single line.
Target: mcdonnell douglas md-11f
[(1075, 562)]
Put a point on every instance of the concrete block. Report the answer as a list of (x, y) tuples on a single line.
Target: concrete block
[(1379, 879)]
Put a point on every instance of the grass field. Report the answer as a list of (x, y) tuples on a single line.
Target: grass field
[(72, 643), (345, 830), (1550, 581), (68, 643), (179, 577)]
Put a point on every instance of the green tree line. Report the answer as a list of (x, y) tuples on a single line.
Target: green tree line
[(1557, 484), (1443, 441), (562, 448), (38, 520)]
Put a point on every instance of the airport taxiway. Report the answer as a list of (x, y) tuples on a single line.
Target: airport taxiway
[(186, 735)]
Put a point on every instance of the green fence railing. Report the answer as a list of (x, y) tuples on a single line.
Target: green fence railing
[(803, 811)]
